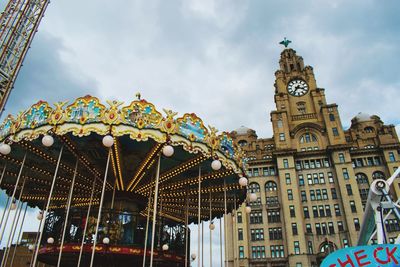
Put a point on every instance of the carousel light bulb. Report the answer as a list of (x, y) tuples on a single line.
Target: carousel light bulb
[(165, 247), (31, 247), (13, 206), (40, 216), (47, 140), (248, 209), (106, 240), (108, 141), (5, 149), (168, 151), (212, 226), (253, 197), (216, 165), (50, 240), (193, 256), (243, 181)]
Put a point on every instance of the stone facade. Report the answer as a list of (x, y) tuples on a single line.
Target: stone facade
[(311, 178)]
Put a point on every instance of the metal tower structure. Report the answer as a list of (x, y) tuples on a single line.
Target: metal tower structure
[(18, 24)]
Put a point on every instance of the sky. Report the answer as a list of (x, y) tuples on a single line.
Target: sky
[(215, 58)]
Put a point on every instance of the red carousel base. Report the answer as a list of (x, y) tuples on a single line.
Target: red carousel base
[(108, 255)]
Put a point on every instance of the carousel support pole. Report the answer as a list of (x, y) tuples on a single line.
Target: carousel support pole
[(113, 195), (234, 226), (4, 211), (199, 220), (13, 227), (220, 241), (186, 228), (202, 244), (86, 223), (3, 172), (147, 229), (155, 211), (100, 208), (71, 191), (225, 223), (210, 233), (19, 235), (36, 240), (47, 206), (13, 195)]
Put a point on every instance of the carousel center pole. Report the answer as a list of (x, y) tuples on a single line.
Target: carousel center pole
[(67, 213), (12, 196), (86, 222), (47, 207), (155, 211), (199, 220), (147, 228), (100, 208)]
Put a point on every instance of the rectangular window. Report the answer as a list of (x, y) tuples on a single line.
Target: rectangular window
[(356, 224), (345, 243), (298, 165), (265, 172), (308, 228), (345, 174), (331, 228), (292, 211), (281, 137), (306, 164), (287, 177), (315, 177), (256, 217), (312, 194), (303, 196), (324, 229), (327, 163), (239, 217), (312, 164), (335, 131), (319, 195), (310, 247), (273, 255), (289, 194), (330, 178), (337, 210), (340, 226), (257, 234), (309, 179), (306, 212), (285, 163), (240, 234), (349, 190), (353, 206), (241, 252), (281, 251), (296, 247), (318, 163), (391, 157), (318, 228), (275, 233), (333, 193), (321, 178), (301, 180), (324, 194), (328, 211), (341, 158), (274, 216), (294, 229), (315, 211), (321, 211)]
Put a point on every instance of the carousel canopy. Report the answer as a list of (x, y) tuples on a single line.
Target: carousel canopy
[(140, 132)]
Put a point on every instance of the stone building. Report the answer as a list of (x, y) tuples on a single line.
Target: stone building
[(311, 178)]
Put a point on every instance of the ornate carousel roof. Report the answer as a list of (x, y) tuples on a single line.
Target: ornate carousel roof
[(140, 132)]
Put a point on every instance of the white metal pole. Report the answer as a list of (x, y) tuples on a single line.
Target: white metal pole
[(4, 211), (199, 220), (155, 211), (47, 207), (36, 241), (19, 235), (100, 208), (186, 228), (86, 222), (210, 233), (3, 172), (67, 213), (147, 228), (220, 242), (225, 223), (12, 196), (202, 243)]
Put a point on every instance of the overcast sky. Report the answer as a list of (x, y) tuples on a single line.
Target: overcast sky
[(215, 58)]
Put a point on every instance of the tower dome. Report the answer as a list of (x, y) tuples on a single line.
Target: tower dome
[(361, 116)]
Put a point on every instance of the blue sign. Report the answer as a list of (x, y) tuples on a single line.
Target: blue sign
[(385, 255)]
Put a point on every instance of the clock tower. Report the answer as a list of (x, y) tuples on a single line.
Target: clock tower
[(301, 107)]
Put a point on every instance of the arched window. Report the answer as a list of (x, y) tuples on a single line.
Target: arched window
[(327, 247), (242, 142), (271, 186), (361, 178), (369, 129), (254, 187), (378, 175), (308, 138)]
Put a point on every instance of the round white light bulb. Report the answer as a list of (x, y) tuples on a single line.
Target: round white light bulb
[(168, 151), (193, 256), (106, 240), (212, 226), (253, 197), (50, 240), (216, 165), (108, 141), (13, 206), (165, 247), (243, 181), (47, 140), (5, 149), (31, 247), (248, 209), (40, 215)]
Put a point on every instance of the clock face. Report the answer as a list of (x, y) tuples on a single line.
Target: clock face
[(297, 87)]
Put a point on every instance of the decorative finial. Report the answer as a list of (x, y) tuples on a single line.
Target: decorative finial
[(138, 95), (285, 42)]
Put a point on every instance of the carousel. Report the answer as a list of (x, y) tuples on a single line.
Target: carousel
[(117, 185)]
